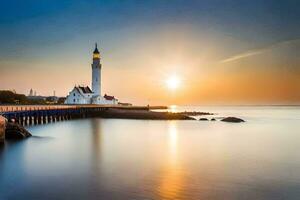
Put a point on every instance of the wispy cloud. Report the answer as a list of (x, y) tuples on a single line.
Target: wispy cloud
[(242, 55), (259, 51)]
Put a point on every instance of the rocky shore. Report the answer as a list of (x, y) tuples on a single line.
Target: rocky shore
[(154, 115), (143, 114), (11, 130), (3, 122), (15, 131), (224, 119), (232, 119)]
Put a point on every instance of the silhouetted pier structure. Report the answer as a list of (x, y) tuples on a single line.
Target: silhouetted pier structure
[(32, 115)]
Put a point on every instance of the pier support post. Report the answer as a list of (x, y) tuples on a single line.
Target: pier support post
[(38, 119), (25, 120), (35, 119), (44, 119), (17, 119), (21, 120), (29, 120)]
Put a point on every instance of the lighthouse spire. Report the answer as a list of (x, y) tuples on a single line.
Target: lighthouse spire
[(96, 72), (96, 52)]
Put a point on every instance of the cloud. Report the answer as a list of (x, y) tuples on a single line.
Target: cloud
[(259, 51), (242, 55)]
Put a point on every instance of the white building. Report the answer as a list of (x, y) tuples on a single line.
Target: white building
[(85, 95)]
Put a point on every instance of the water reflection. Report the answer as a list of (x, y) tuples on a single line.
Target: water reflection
[(95, 156), (171, 182), (172, 139), (1, 149), (144, 159), (2, 146), (96, 138), (11, 163)]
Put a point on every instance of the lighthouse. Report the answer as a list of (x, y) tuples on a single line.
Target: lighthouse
[(84, 95), (96, 72)]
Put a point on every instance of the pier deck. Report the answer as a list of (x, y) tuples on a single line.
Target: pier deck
[(40, 114)]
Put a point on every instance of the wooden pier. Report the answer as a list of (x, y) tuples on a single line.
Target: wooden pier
[(41, 114)]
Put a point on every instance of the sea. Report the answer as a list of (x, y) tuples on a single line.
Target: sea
[(159, 159)]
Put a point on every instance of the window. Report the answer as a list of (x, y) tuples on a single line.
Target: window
[(74, 100), (74, 94)]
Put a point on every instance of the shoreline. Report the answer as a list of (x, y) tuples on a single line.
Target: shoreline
[(13, 129), (142, 114)]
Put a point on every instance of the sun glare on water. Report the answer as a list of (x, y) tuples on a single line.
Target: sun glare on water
[(173, 82)]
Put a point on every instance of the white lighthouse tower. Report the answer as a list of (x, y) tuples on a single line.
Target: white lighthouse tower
[(96, 72), (85, 95)]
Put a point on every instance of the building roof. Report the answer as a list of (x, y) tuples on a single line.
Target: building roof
[(107, 97), (84, 90), (96, 51)]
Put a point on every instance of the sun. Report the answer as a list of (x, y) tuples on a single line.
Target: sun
[(173, 82)]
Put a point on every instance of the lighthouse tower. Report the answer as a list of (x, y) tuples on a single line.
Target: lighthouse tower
[(85, 95), (96, 72)]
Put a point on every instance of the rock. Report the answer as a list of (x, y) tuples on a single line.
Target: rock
[(203, 119), (213, 119), (3, 122), (232, 119), (16, 131), (141, 114)]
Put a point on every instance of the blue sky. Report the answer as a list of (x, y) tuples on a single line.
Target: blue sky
[(32, 23)]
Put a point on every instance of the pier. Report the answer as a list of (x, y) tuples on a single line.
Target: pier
[(42, 114), (16, 117)]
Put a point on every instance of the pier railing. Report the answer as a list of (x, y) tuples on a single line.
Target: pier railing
[(40, 114), (16, 108)]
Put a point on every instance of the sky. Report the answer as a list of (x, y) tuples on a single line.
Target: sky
[(220, 51)]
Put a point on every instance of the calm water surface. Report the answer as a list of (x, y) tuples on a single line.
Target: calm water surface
[(148, 159)]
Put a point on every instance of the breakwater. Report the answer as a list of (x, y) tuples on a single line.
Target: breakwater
[(31, 115), (142, 114)]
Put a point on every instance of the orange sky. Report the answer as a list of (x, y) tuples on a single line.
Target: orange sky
[(213, 68)]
